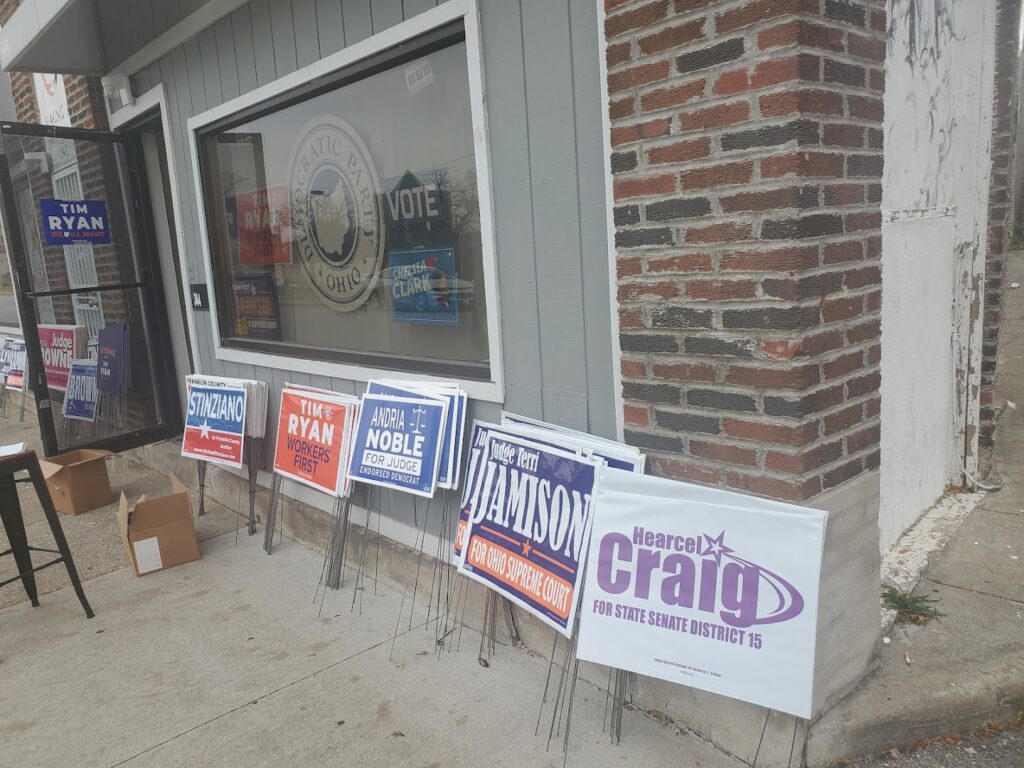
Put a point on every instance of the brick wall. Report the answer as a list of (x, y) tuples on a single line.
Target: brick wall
[(1004, 129), (747, 159)]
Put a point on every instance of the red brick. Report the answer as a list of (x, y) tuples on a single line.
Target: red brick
[(809, 101), (843, 419), (868, 331), (805, 164), (637, 76), (728, 454), (719, 233), (675, 96), (862, 278), (786, 490), (763, 200), (637, 291), (843, 135), (734, 81), (631, 317), (672, 37), (776, 260), (838, 253), (717, 175), (655, 128), (804, 461), (686, 262), (628, 265), (872, 407), (680, 151), (721, 290), (717, 116), (636, 416), (866, 108), (637, 18), (865, 47), (844, 194), (684, 371), (791, 377), (617, 54), (693, 473), (843, 365), (864, 438), (640, 186), (775, 71), (858, 222), (810, 346), (622, 108), (760, 10), (779, 434), (803, 32), (633, 369), (844, 308)]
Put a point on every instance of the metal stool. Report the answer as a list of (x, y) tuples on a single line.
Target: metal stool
[(14, 525)]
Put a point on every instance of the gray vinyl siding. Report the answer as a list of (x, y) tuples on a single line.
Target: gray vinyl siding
[(544, 104)]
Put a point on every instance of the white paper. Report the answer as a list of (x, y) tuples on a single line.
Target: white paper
[(12, 450), (705, 588), (147, 555)]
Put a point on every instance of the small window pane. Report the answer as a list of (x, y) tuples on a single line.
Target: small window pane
[(347, 226)]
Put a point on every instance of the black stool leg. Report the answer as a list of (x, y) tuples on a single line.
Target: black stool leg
[(58, 533), (14, 524)]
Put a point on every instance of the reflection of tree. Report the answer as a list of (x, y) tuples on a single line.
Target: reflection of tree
[(462, 200)]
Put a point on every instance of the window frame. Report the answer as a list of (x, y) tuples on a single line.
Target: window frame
[(352, 63)]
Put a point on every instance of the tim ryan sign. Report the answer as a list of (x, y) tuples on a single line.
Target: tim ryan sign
[(74, 221), (705, 588)]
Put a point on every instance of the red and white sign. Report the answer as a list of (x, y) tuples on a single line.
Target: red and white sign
[(60, 344), (264, 227), (313, 437)]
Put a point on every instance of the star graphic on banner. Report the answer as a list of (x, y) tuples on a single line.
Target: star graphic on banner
[(204, 429), (526, 548), (715, 547)]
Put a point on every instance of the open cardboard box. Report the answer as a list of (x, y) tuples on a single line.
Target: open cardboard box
[(158, 533), (78, 480)]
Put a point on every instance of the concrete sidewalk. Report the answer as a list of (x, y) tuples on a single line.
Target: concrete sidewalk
[(225, 662), (966, 669)]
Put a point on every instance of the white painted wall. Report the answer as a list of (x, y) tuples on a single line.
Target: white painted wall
[(938, 125)]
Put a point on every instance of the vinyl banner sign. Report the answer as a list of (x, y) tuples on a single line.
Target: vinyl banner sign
[(215, 424), (398, 443), (422, 287), (311, 433), (74, 221), (59, 345), (530, 527), (80, 396), (703, 587)]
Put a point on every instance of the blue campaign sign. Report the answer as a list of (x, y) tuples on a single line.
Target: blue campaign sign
[(529, 531), (215, 424), (74, 221), (81, 393), (447, 471), (398, 443), (423, 286)]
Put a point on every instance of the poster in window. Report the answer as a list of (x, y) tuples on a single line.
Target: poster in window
[(257, 311), (423, 286), (264, 227), (418, 210)]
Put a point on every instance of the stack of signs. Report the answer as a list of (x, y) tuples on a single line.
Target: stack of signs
[(704, 587), (215, 421), (399, 439), (80, 397), (314, 437), (59, 345), (13, 364), (113, 359), (450, 465), (525, 522)]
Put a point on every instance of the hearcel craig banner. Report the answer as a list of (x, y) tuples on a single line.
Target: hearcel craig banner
[(703, 587), (214, 423), (530, 526), (398, 443)]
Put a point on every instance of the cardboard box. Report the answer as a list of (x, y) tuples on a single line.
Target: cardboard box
[(158, 533), (78, 480)]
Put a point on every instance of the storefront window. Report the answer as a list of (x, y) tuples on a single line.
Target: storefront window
[(345, 226)]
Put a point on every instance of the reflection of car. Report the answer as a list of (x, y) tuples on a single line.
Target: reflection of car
[(445, 288)]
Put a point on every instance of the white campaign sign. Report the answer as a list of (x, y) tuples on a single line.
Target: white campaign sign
[(705, 588)]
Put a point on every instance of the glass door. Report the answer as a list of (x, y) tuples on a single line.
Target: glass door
[(90, 295)]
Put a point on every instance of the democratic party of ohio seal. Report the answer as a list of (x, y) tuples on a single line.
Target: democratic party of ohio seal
[(336, 213)]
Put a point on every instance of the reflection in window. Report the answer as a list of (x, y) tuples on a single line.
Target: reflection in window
[(346, 226)]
